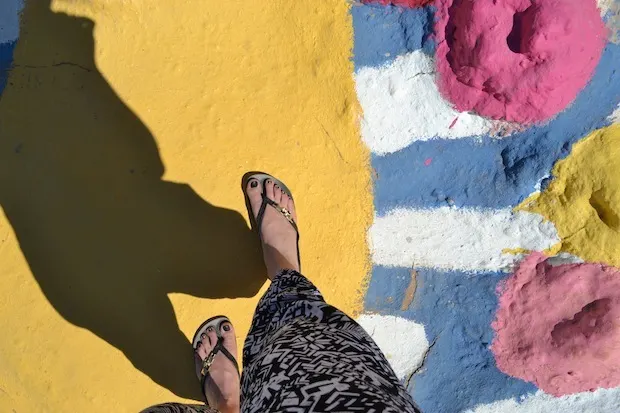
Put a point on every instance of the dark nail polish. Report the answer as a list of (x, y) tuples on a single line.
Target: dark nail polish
[(254, 184), (210, 329), (203, 336), (226, 327)]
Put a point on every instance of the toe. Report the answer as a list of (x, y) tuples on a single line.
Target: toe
[(212, 335), (284, 200), (269, 188), (204, 347), (291, 209), (277, 194), (230, 339), (254, 191)]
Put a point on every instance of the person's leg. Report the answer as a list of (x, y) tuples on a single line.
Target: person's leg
[(302, 354), (179, 408)]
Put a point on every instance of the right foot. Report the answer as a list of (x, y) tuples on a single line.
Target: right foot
[(278, 236)]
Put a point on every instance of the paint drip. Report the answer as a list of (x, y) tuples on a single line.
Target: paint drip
[(556, 326), (507, 59)]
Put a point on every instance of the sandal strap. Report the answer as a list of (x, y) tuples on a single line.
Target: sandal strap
[(285, 212), (208, 361)]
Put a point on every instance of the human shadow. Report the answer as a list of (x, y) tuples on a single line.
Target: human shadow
[(104, 235)]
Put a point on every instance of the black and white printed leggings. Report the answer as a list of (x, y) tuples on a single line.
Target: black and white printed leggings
[(303, 355)]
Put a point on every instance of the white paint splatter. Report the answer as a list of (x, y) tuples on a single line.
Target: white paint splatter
[(402, 341), (604, 6), (610, 11), (564, 258), (615, 116), (599, 401), (402, 104), (9, 20), (463, 239)]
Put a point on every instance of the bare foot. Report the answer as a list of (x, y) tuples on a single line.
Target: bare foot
[(278, 235), (222, 386)]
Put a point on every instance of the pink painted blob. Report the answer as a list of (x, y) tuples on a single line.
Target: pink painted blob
[(401, 3), (559, 327), (518, 60)]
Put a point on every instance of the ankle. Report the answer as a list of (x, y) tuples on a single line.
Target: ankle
[(229, 406)]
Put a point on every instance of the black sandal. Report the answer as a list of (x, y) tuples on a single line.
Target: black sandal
[(256, 223), (216, 323)]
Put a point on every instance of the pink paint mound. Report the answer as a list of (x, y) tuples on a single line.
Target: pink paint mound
[(401, 3), (519, 60), (559, 326)]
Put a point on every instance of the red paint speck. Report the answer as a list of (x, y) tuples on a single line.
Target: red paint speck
[(428, 161), (453, 122), (401, 3)]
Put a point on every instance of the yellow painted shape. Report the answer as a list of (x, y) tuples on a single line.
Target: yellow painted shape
[(124, 226), (583, 200)]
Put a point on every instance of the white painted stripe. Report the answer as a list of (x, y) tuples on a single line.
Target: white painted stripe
[(402, 341), (615, 116), (599, 401), (9, 20), (460, 239), (401, 104)]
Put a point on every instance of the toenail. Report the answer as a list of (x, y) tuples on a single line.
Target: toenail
[(226, 327), (268, 181), (210, 329), (203, 336), (254, 184)]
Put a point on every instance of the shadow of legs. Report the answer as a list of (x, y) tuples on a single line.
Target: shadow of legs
[(104, 235)]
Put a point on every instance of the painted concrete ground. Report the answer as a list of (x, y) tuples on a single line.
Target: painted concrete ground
[(124, 129)]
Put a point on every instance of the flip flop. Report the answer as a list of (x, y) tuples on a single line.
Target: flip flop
[(256, 223), (216, 323)]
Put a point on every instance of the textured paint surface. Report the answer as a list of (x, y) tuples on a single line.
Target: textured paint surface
[(420, 170), (556, 326), (583, 200), (402, 105), (6, 58), (9, 20), (462, 239), (9, 31), (507, 59), (402, 341), (126, 127), (495, 173), (219, 90), (384, 33), (456, 309), (403, 3), (601, 400)]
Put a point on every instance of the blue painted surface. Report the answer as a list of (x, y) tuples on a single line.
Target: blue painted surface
[(485, 172), (456, 309), (6, 59), (384, 32)]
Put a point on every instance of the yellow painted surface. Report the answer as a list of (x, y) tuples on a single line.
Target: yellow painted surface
[(583, 200), (125, 129)]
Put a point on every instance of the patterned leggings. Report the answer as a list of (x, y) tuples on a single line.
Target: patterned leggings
[(303, 355)]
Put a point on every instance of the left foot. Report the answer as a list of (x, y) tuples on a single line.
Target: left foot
[(222, 382)]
